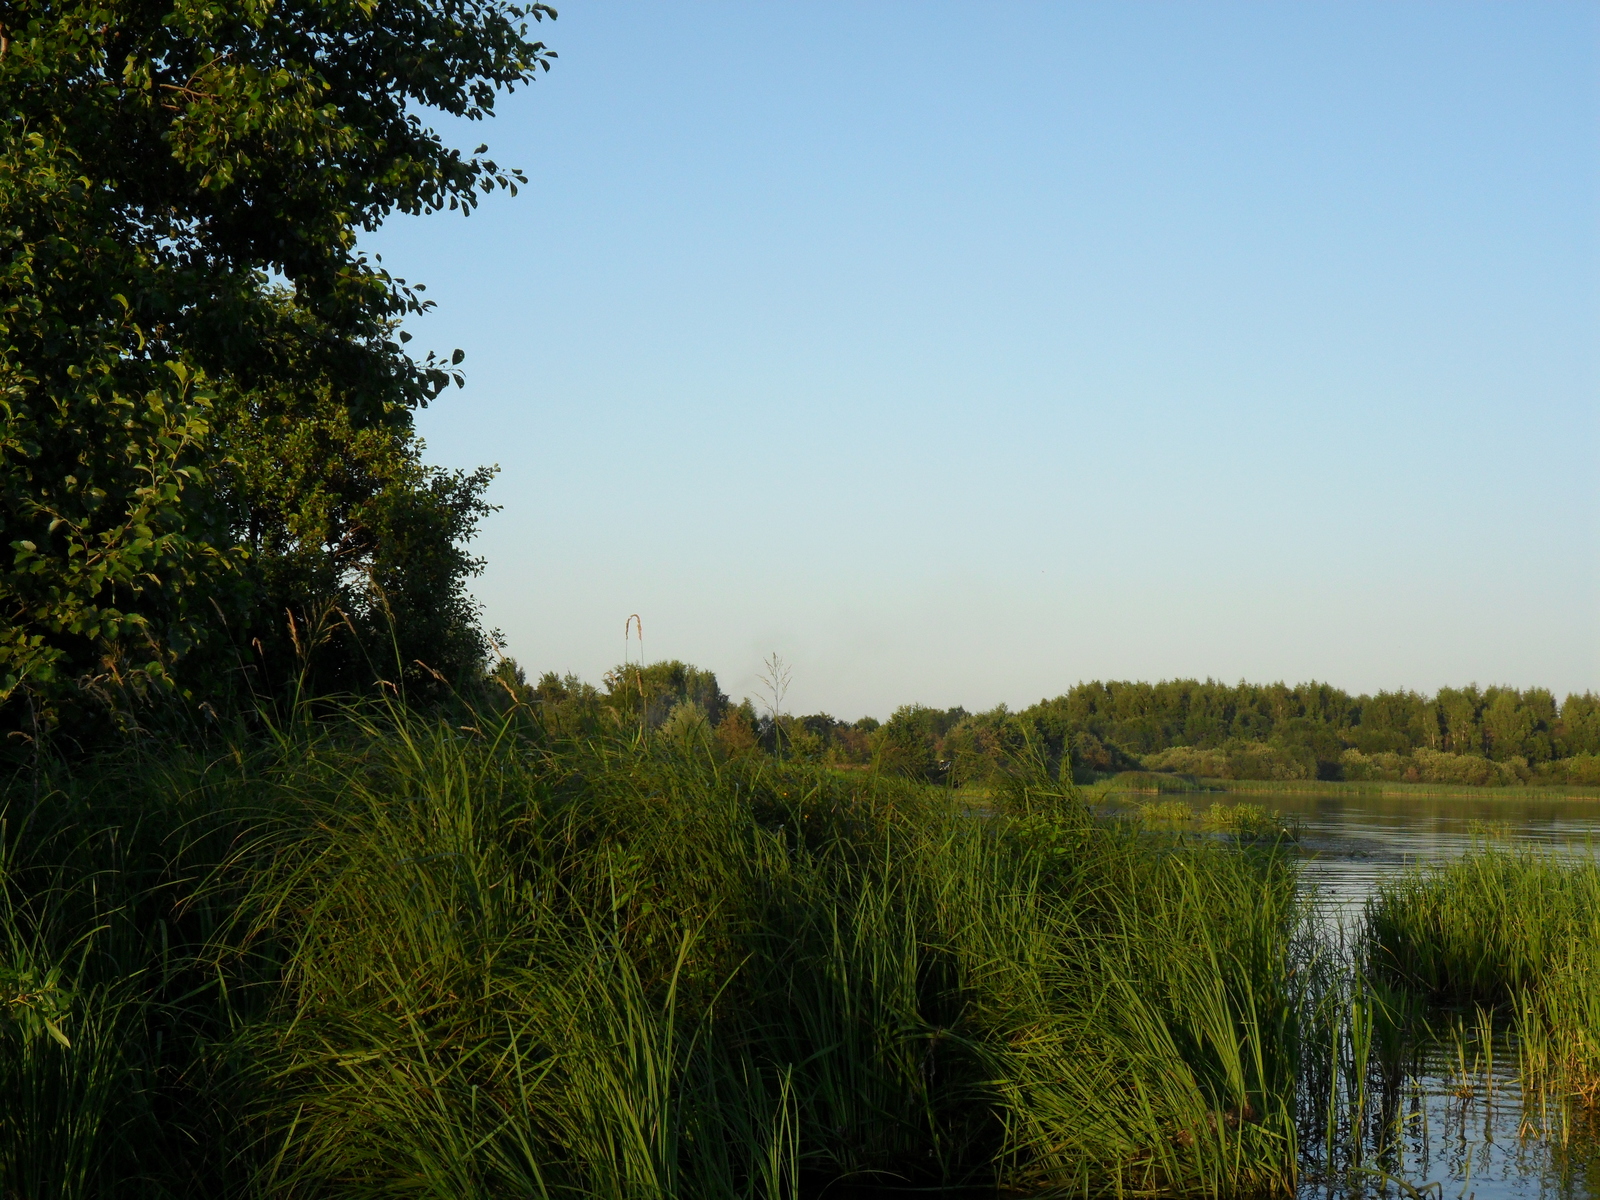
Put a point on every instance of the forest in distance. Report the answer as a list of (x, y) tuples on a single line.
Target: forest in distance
[(1493, 736)]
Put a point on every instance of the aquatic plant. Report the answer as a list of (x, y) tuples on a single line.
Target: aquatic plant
[(1511, 928)]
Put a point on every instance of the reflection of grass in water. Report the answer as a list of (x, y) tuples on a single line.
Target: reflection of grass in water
[(1469, 1054), (1454, 1110)]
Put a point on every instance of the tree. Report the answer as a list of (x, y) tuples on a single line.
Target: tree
[(911, 741), (350, 536), (181, 189), (1579, 728), (1508, 725), (1461, 711), (649, 694)]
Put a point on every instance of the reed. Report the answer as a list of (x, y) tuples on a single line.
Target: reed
[(1244, 822), (1513, 929), (1148, 782), (379, 955)]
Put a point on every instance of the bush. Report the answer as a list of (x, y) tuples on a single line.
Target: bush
[(1235, 760), (1581, 770)]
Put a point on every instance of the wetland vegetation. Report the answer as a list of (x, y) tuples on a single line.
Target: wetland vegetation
[(375, 952), (382, 955)]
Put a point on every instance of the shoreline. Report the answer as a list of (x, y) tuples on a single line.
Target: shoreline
[(1316, 787)]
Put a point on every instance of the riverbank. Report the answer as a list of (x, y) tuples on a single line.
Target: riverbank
[(1156, 783), (393, 956), (1392, 789)]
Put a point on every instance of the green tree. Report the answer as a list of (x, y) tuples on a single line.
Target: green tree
[(1578, 730), (911, 741), (162, 163), (650, 694), (1509, 725), (350, 536), (1461, 716), (1393, 722)]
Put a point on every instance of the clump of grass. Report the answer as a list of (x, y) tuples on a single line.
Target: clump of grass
[(1487, 925), (386, 956), (1246, 822), (1252, 822), (1159, 782), (1513, 929), (1165, 813)]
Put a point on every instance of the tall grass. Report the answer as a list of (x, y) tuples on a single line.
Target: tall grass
[(1247, 822), (382, 956), (1516, 929), (1147, 782), (110, 895)]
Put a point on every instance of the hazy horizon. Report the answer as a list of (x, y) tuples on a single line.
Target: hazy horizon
[(961, 355)]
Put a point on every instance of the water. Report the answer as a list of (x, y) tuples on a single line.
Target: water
[(1460, 1121), (1351, 841)]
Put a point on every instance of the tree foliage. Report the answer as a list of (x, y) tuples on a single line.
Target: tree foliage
[(190, 334), (1492, 735)]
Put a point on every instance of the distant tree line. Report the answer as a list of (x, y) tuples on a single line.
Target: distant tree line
[(1488, 736)]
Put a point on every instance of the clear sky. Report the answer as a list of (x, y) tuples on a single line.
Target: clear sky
[(959, 352)]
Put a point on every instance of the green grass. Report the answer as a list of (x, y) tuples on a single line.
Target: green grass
[(383, 957), (1149, 782), (1512, 929), (1243, 822)]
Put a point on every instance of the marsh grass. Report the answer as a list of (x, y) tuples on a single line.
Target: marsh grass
[(1157, 782), (1506, 930), (378, 955), (1244, 822), (1375, 787)]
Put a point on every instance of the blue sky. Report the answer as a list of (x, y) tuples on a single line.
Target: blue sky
[(961, 352)]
